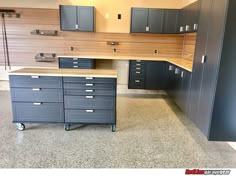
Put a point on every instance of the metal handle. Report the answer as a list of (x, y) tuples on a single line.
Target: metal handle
[(195, 26), (182, 74), (138, 68), (187, 27), (75, 62), (147, 28), (88, 90), (176, 71), (138, 64), (170, 67), (138, 72), (89, 97), (138, 60), (137, 81), (89, 84), (75, 59), (36, 89), (76, 26), (90, 110), (35, 77), (204, 59), (75, 66), (89, 78), (37, 104), (181, 29)]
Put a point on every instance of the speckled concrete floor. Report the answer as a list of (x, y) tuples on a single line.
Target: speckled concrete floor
[(152, 133)]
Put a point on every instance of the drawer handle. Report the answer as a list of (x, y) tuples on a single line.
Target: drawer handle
[(88, 78), (138, 60), (176, 71), (89, 84), (137, 81), (89, 97), (138, 64), (89, 111), (34, 77), (138, 72), (36, 89), (75, 59), (75, 62), (170, 67), (88, 90), (138, 68), (37, 104), (75, 66)]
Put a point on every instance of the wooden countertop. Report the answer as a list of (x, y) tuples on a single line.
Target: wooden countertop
[(181, 62), (66, 72)]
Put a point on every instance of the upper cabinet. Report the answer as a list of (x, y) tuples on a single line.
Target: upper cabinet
[(144, 20), (189, 17), (165, 21), (77, 18)]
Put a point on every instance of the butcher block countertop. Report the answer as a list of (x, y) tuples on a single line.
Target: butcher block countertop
[(178, 61), (66, 72)]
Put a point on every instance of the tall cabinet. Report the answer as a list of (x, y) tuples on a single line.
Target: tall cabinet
[(212, 100)]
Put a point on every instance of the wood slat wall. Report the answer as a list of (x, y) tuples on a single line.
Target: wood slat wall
[(23, 46), (189, 45)]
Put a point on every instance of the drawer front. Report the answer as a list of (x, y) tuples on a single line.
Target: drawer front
[(108, 92), (46, 112), (89, 102), (36, 95), (76, 66), (137, 66), (36, 81), (61, 59), (90, 116), (136, 84), (88, 86), (76, 63), (134, 62), (88, 80)]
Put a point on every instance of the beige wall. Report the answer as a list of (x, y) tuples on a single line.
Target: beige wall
[(106, 10)]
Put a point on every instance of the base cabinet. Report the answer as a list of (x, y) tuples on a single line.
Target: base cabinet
[(68, 100)]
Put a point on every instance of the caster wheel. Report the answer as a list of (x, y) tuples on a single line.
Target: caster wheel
[(20, 126), (67, 127), (113, 128)]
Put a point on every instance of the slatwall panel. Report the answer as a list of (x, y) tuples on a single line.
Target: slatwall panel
[(189, 45), (23, 46)]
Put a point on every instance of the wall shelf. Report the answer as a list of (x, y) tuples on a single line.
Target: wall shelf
[(45, 57)]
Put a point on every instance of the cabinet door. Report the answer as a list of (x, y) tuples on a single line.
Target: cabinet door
[(139, 20), (85, 19), (68, 19), (213, 55), (170, 21), (200, 50), (195, 15), (155, 20), (155, 75)]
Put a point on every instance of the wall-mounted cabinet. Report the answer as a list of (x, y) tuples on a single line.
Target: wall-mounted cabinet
[(77, 18), (170, 25)]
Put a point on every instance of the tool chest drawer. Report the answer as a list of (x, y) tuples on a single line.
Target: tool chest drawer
[(108, 92), (88, 86), (88, 80)]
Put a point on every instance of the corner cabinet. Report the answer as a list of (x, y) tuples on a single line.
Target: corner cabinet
[(77, 18)]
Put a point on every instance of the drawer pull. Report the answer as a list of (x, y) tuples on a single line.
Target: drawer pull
[(88, 90), (170, 67), (34, 77), (75, 62), (36, 89), (138, 72), (37, 104), (75, 59), (88, 78), (138, 60), (89, 97), (138, 64), (137, 81), (89, 111), (75, 66), (138, 68), (89, 84)]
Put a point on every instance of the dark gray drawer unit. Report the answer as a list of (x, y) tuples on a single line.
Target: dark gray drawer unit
[(89, 100), (136, 74), (36, 99), (76, 63)]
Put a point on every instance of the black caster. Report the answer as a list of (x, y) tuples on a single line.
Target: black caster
[(20, 126), (67, 127), (113, 128)]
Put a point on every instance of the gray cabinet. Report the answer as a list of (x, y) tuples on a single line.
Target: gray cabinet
[(77, 18), (171, 21), (76, 63), (147, 20), (214, 70)]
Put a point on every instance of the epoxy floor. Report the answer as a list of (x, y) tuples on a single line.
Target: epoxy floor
[(151, 133)]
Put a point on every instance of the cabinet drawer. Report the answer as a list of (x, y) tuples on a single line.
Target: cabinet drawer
[(45, 112), (61, 59), (90, 116), (134, 62), (36, 95), (137, 67), (88, 80), (73, 66), (136, 84), (88, 86), (108, 92), (89, 102), (36, 81)]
